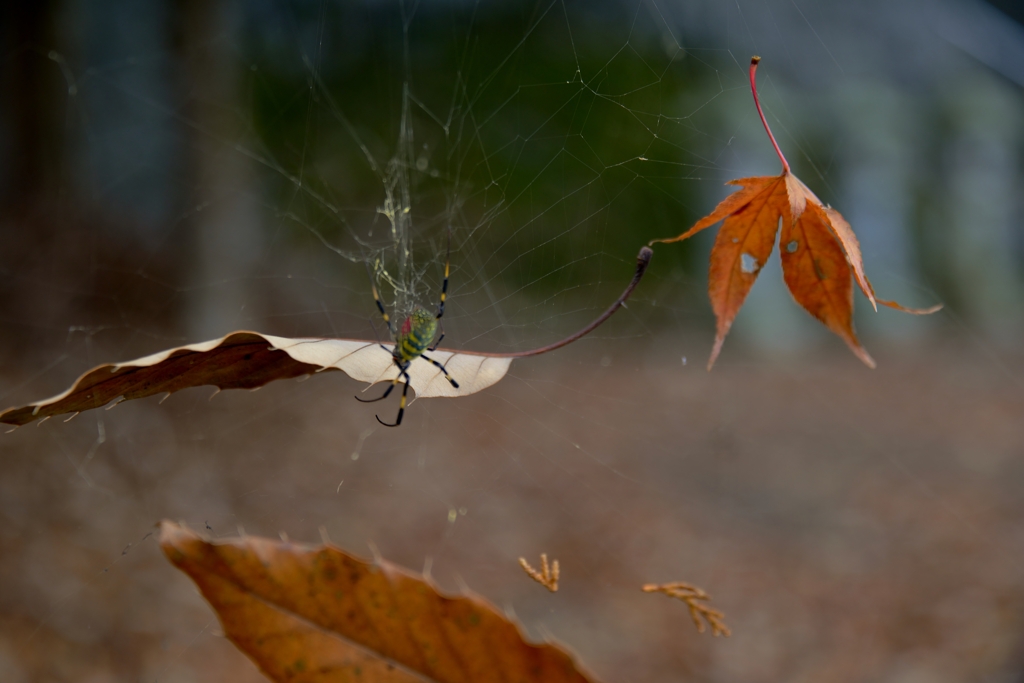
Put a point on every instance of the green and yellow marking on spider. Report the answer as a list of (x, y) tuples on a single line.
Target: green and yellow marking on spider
[(417, 333)]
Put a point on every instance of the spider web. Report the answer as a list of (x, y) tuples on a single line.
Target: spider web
[(257, 166)]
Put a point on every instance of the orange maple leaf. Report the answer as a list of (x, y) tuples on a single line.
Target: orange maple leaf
[(820, 254)]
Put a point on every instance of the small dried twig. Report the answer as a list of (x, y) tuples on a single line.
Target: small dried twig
[(547, 576), (693, 596)]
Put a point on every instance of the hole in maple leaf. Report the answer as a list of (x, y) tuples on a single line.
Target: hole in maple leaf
[(748, 264), (792, 246)]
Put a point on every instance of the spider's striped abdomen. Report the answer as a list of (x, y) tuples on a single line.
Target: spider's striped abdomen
[(416, 334)]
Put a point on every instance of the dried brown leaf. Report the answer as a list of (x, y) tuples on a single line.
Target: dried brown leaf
[(741, 249), (818, 275), (305, 613), (820, 253), (246, 360)]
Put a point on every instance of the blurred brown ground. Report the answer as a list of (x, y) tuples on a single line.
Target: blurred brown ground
[(853, 525)]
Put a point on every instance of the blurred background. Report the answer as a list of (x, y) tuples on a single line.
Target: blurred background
[(172, 171)]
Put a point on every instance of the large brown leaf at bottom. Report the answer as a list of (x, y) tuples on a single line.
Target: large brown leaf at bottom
[(316, 614), (742, 247), (818, 274)]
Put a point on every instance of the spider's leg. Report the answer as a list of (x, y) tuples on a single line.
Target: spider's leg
[(438, 342), (443, 369), (387, 392), (380, 307), (401, 406), (444, 287), (381, 397), (377, 337), (379, 342)]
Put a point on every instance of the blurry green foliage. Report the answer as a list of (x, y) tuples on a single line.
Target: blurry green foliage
[(561, 137)]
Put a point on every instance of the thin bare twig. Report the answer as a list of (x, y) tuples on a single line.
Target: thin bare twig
[(693, 598), (547, 576)]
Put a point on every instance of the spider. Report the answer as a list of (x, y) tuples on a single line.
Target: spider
[(416, 334)]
